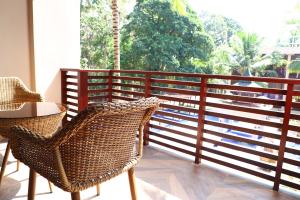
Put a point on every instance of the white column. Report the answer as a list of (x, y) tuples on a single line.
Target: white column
[(56, 43)]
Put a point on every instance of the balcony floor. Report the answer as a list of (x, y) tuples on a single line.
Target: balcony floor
[(160, 176)]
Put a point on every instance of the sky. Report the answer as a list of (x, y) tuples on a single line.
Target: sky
[(264, 17)]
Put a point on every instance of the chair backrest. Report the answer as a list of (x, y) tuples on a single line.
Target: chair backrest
[(13, 90), (101, 140)]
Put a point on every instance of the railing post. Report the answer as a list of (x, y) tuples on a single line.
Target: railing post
[(64, 91), (82, 90), (201, 118), (284, 132), (110, 81), (147, 94)]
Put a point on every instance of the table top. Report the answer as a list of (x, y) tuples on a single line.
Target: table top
[(30, 109)]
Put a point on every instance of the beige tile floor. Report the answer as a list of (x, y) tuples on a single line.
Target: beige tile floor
[(160, 176)]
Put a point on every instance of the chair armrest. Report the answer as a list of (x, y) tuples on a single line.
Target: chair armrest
[(32, 96)]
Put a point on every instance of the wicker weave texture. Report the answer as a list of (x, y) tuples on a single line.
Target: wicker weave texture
[(13, 90), (96, 145)]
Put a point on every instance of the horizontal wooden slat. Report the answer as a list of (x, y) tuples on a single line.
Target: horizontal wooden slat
[(293, 139), (180, 74), (240, 148), (71, 83), (129, 78), (174, 123), (242, 129), (172, 131), (153, 133), (128, 92), (291, 173), (245, 109), (172, 147), (296, 104), (180, 108), (98, 84), (98, 91), (84, 70), (296, 93), (177, 99), (176, 115), (239, 168), (246, 99), (295, 116), (71, 90), (71, 96), (71, 76), (70, 116), (245, 119), (291, 161), (97, 77), (249, 89), (241, 139), (73, 110), (178, 91), (72, 103), (99, 97), (290, 184), (124, 98), (238, 158), (175, 82), (129, 85), (293, 151)]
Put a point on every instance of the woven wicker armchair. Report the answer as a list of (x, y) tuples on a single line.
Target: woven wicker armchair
[(97, 145), (13, 90)]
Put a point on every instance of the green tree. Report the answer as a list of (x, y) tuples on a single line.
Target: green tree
[(160, 37), (96, 33), (294, 67), (220, 28), (246, 48), (270, 64)]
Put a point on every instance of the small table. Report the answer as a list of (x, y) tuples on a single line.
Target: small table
[(40, 117)]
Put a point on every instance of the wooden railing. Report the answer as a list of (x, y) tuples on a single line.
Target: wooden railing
[(249, 124)]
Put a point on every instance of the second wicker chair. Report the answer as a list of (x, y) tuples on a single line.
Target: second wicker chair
[(97, 145)]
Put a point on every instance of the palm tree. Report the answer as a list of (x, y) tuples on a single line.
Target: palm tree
[(116, 33), (246, 50)]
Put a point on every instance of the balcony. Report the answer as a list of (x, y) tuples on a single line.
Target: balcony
[(246, 125)]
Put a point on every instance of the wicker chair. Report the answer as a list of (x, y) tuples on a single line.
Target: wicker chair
[(97, 145), (13, 90)]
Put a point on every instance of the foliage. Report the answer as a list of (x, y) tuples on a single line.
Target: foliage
[(96, 32), (270, 64), (222, 60), (294, 67), (159, 38), (220, 28), (246, 50)]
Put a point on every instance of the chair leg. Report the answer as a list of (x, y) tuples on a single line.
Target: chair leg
[(18, 165), (32, 182), (98, 189), (4, 162), (75, 195), (132, 184), (50, 186)]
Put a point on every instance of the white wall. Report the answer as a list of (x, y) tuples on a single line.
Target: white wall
[(14, 40), (56, 43)]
